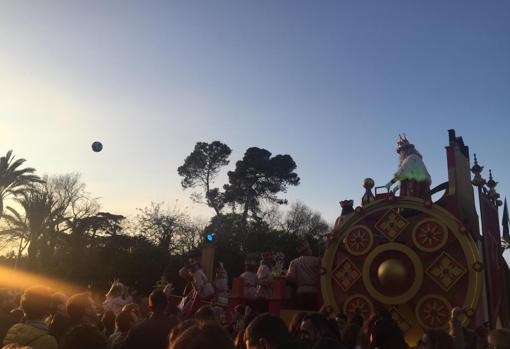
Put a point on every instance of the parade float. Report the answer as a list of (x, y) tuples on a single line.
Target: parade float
[(412, 255)]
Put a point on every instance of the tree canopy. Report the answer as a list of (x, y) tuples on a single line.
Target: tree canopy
[(201, 167), (258, 177)]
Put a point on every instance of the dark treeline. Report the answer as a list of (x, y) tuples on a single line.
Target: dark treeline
[(52, 226)]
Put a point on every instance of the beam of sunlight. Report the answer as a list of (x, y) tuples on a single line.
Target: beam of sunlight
[(12, 278)]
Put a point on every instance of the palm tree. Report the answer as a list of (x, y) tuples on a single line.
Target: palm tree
[(14, 180), (34, 228)]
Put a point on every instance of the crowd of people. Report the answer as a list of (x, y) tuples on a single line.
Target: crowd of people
[(40, 319)]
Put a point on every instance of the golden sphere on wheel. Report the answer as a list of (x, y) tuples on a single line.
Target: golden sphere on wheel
[(392, 274)]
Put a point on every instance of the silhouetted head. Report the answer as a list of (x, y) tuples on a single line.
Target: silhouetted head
[(206, 314), (124, 321), (36, 302), (436, 340), (499, 339), (203, 336), (386, 335), (266, 331), (158, 301), (80, 307)]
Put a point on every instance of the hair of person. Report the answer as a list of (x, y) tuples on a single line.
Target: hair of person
[(386, 335), (203, 336), (440, 339), (108, 321), (269, 327), (357, 320), (57, 299), (124, 320), (83, 336), (323, 326), (180, 328), (36, 302), (351, 334), (206, 314), (158, 301), (327, 343), (500, 338), (77, 305), (295, 324)]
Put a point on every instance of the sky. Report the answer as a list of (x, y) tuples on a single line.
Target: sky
[(332, 83)]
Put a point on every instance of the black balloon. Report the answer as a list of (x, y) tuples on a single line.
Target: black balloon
[(97, 146)]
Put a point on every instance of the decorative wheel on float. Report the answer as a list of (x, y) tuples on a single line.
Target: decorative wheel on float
[(405, 254)]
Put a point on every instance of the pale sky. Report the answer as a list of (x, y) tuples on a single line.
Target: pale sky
[(332, 83)]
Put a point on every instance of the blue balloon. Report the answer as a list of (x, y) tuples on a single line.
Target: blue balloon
[(97, 146)]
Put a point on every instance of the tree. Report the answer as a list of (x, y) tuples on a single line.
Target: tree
[(172, 231), (259, 177), (201, 167), (33, 228), (14, 180), (301, 221)]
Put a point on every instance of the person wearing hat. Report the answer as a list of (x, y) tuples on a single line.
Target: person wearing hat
[(249, 278), (201, 284), (412, 174), (265, 277), (201, 287), (221, 284), (304, 273)]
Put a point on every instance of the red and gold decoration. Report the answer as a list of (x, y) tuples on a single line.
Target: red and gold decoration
[(392, 273), (392, 224), (359, 240), (346, 274), (433, 312), (429, 235), (358, 304), (405, 256), (445, 271)]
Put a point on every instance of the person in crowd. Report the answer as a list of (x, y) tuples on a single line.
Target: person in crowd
[(35, 303), (315, 326), (83, 336), (201, 284), (221, 285), (58, 319), (341, 321), (436, 340), (303, 272), (249, 278), (108, 322), (115, 298), (6, 319), (295, 325), (266, 331), (153, 332), (180, 328), (499, 339), (123, 323), (265, 277), (135, 311), (201, 288), (351, 336), (385, 334), (206, 313), (203, 336)]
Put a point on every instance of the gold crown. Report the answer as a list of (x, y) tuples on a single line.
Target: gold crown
[(403, 143)]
